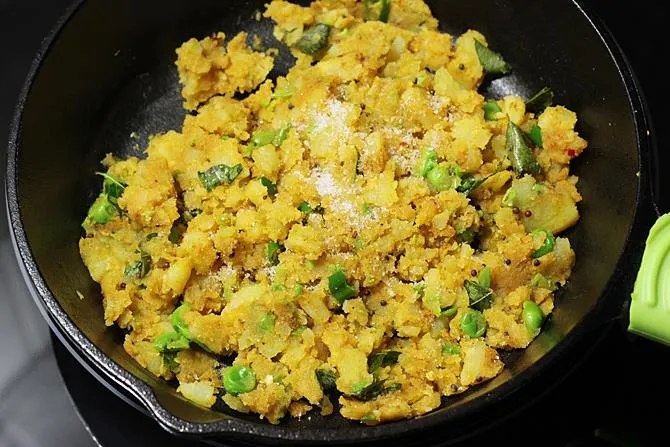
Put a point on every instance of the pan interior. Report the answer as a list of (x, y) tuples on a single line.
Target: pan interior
[(109, 82)]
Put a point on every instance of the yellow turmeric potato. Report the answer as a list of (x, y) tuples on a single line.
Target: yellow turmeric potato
[(356, 225)]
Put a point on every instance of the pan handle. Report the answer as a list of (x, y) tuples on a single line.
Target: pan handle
[(649, 314)]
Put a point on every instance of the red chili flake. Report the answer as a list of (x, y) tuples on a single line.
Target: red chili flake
[(571, 153)]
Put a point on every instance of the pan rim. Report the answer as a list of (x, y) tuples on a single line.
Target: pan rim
[(61, 322)]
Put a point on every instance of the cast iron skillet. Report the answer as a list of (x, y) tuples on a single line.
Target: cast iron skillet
[(107, 71)]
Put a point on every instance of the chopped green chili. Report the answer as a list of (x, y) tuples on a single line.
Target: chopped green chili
[(509, 197), (260, 138), (539, 280), (339, 287), (523, 160), (377, 10), (428, 161), (491, 110), (491, 61), (451, 348), (305, 208), (448, 312), (273, 250), (281, 135), (218, 174), (547, 245), (314, 39), (271, 187), (535, 135), (484, 277)]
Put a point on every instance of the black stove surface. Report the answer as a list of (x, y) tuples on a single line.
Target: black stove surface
[(616, 396)]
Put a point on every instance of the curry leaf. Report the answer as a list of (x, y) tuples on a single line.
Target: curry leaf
[(523, 160), (375, 389), (480, 297), (491, 61), (218, 174), (139, 269), (382, 359), (540, 100), (326, 378)]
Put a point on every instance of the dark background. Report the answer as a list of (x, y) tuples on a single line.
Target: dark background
[(617, 397)]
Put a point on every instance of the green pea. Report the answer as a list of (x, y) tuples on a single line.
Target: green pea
[(101, 211), (473, 323), (533, 317), (239, 379), (442, 178), (263, 137), (428, 161)]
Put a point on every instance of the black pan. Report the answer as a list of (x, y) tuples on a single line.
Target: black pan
[(107, 70)]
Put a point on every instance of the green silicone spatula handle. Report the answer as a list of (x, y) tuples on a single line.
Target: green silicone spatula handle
[(650, 300)]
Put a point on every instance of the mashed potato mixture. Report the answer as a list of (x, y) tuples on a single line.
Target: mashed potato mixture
[(360, 236)]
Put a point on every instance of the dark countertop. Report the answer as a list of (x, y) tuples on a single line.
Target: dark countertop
[(613, 399)]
